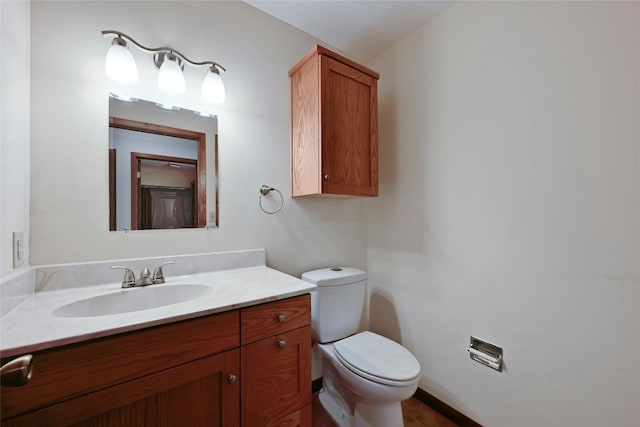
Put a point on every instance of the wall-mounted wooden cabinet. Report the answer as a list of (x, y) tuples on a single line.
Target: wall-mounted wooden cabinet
[(334, 126)]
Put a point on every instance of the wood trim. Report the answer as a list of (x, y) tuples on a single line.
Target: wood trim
[(135, 186), (116, 122), (217, 187), (112, 189), (438, 405)]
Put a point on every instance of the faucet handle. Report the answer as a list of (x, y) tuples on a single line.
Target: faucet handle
[(129, 279), (158, 273)]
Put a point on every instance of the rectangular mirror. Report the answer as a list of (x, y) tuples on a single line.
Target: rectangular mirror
[(162, 167)]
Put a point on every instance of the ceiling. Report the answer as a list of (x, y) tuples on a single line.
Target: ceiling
[(361, 29)]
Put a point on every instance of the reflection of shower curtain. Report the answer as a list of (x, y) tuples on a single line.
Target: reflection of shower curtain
[(163, 207)]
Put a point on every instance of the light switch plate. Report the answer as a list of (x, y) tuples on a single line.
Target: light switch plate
[(18, 249)]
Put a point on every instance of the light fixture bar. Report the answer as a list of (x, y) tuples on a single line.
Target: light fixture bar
[(162, 49)]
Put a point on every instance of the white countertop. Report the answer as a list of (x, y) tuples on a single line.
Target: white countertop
[(31, 326)]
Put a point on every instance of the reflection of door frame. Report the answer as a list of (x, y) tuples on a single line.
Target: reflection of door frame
[(201, 165), (136, 182), (112, 189)]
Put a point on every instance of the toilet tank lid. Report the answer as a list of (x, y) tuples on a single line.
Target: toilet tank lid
[(334, 276)]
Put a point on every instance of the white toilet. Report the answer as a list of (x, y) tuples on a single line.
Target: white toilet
[(365, 376)]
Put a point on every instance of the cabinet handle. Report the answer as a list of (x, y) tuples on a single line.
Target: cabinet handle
[(280, 318), (231, 379), (17, 372), (282, 343), (326, 177)]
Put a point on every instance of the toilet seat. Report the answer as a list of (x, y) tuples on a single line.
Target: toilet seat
[(378, 359)]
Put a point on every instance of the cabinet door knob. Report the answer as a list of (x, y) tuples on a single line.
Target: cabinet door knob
[(326, 177), (231, 379), (282, 343), (280, 318), (17, 372)]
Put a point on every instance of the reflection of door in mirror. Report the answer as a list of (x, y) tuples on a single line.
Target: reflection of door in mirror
[(162, 192), (166, 177)]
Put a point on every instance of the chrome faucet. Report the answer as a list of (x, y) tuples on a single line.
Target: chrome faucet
[(129, 279), (145, 279), (158, 273)]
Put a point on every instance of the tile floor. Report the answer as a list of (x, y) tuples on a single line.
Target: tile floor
[(416, 414)]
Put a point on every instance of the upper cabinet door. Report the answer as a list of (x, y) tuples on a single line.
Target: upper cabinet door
[(334, 127), (349, 130)]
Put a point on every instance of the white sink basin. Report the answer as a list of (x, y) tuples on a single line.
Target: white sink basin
[(134, 299)]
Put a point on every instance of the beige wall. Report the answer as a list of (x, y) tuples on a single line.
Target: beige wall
[(509, 209), (69, 219), (14, 129)]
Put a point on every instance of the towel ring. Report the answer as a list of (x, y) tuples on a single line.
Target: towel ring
[(264, 190)]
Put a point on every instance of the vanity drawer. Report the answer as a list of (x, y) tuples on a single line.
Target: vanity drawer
[(73, 370), (273, 318)]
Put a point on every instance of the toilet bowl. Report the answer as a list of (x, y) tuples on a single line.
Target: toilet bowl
[(365, 375)]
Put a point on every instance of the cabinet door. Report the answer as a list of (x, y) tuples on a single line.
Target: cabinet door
[(200, 393), (64, 373), (349, 130), (276, 378)]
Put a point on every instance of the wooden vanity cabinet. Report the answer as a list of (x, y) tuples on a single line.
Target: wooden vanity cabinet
[(334, 126), (185, 373), (197, 372), (276, 363)]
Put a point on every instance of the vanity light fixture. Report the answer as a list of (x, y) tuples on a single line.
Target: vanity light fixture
[(120, 66)]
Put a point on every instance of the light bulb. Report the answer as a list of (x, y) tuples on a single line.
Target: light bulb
[(212, 87), (170, 77), (120, 65)]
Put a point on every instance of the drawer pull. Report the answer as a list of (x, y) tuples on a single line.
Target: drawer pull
[(17, 372), (282, 343), (281, 318), (231, 379)]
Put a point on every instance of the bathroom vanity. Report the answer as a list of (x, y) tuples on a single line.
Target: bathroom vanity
[(233, 358)]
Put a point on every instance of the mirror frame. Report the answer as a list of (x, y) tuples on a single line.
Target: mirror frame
[(201, 168)]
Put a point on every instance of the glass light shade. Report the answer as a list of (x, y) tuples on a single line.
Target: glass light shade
[(170, 77), (120, 65), (213, 88)]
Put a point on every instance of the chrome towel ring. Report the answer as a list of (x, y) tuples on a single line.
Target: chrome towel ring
[(264, 191)]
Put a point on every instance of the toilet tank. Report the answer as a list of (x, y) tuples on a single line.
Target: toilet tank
[(337, 303)]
